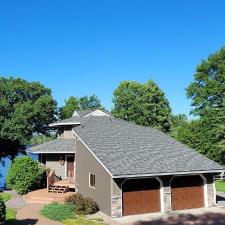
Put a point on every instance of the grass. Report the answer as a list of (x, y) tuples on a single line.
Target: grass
[(220, 186), (66, 214), (59, 212), (10, 214), (11, 217), (83, 221), (5, 196)]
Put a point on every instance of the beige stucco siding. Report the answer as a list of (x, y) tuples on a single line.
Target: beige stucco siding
[(66, 132), (85, 164), (52, 162)]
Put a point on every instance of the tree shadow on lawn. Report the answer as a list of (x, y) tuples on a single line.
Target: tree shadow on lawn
[(188, 219), (21, 222)]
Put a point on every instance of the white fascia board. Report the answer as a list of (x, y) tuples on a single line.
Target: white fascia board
[(43, 152), (61, 124), (93, 154), (97, 113), (172, 173)]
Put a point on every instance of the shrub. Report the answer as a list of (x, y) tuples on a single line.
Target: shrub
[(82, 205), (59, 212), (23, 174), (2, 211), (91, 206), (78, 201)]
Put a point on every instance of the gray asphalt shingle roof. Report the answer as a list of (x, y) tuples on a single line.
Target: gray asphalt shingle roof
[(82, 113), (59, 145), (128, 149), (74, 119)]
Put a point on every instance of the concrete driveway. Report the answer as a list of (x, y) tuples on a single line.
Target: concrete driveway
[(203, 216)]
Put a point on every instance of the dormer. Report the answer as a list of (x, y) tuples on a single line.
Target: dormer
[(65, 126)]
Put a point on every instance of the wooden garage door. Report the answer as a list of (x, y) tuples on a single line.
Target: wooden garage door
[(187, 192), (141, 196)]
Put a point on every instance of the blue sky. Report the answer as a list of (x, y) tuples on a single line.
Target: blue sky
[(89, 46)]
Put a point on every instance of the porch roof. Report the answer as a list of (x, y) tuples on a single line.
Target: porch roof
[(59, 145)]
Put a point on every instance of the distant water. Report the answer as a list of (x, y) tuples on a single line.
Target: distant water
[(4, 166)]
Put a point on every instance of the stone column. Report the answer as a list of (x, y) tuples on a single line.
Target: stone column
[(166, 190), (210, 190), (117, 198)]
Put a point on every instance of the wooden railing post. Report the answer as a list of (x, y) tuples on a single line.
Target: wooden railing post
[(50, 178)]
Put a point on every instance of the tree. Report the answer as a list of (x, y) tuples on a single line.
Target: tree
[(25, 108), (145, 104), (24, 174), (208, 89), (71, 104), (178, 122), (207, 92), (90, 102), (40, 139), (82, 103)]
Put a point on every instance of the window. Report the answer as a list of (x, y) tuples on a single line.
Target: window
[(91, 180)]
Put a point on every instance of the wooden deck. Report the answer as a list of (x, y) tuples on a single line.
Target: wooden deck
[(43, 196), (70, 184), (61, 186), (55, 185)]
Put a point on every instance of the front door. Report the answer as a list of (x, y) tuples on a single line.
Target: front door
[(70, 166)]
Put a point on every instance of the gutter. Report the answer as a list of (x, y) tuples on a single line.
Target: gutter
[(171, 173), (61, 124)]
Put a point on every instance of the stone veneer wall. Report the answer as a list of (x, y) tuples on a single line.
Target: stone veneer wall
[(210, 190), (166, 193), (117, 198)]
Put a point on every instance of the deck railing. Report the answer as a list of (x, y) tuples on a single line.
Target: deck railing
[(50, 178)]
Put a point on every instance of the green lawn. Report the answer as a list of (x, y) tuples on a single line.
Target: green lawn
[(220, 185), (5, 196), (83, 221), (11, 217)]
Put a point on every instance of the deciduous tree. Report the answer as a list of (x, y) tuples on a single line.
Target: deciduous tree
[(144, 104), (25, 108)]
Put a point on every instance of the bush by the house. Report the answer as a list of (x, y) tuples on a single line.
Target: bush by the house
[(82, 205), (78, 201), (2, 211), (59, 212), (24, 174), (91, 206)]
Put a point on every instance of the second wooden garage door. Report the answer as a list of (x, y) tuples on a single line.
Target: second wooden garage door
[(141, 196), (187, 192)]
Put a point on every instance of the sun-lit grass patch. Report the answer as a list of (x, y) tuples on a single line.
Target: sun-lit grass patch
[(10, 214), (220, 185), (83, 221), (5, 196)]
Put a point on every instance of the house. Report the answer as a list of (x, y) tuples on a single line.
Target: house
[(126, 168)]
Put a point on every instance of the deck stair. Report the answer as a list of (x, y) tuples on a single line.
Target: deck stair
[(58, 188), (55, 185)]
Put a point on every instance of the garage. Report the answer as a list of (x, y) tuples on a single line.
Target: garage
[(187, 192), (141, 196)]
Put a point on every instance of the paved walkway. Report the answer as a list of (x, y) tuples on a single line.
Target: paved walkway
[(30, 215), (220, 198), (16, 201)]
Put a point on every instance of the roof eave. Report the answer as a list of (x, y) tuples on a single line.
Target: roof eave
[(63, 124), (52, 152), (171, 173)]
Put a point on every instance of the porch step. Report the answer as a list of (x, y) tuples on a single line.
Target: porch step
[(38, 202), (58, 189)]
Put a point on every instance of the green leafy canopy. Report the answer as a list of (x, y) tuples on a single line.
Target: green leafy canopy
[(25, 108), (82, 103), (144, 104)]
